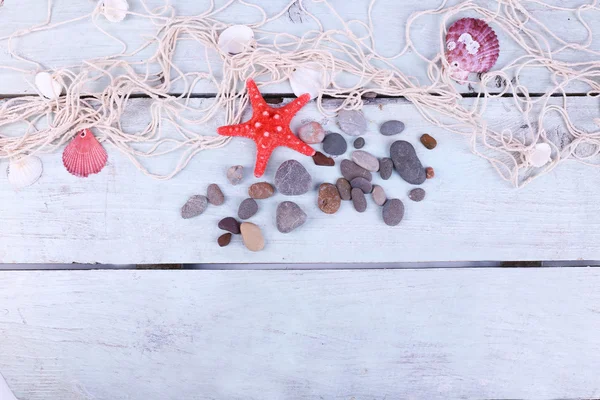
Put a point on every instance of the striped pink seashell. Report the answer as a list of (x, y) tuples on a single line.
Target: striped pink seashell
[(471, 46), (84, 155)]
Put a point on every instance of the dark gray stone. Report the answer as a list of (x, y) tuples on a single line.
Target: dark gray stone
[(359, 200), (230, 224), (247, 209), (334, 144), (350, 171), (390, 128), (215, 195), (386, 166), (292, 179), (393, 212), (352, 122), (344, 187), (359, 143), (362, 184), (407, 163), (289, 216), (195, 206), (417, 194)]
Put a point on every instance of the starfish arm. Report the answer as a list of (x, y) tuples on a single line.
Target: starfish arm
[(262, 159), (242, 130), (296, 144), (292, 108), (256, 99)]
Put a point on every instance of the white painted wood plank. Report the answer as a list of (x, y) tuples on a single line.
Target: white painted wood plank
[(121, 216), (414, 334), (69, 45)]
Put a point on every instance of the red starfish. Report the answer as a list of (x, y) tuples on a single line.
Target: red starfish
[(269, 127)]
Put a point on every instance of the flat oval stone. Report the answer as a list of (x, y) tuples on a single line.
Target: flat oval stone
[(322, 160), (365, 160), (329, 199), (252, 236), (428, 141), (289, 216), (393, 212), (350, 171), (235, 174), (195, 206), (344, 188), (392, 127), (230, 224), (334, 144), (292, 179), (362, 184), (352, 122), (359, 143), (417, 194), (407, 163), (386, 166), (378, 195), (215, 195), (247, 209), (261, 190), (224, 239), (359, 200), (429, 172), (311, 133)]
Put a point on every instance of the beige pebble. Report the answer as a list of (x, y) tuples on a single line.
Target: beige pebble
[(252, 236)]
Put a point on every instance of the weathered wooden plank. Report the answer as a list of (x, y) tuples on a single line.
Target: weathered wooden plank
[(420, 334), (70, 44), (121, 216)]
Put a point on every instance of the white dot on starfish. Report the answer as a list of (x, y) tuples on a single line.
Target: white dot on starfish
[(279, 129), (266, 134), (237, 128), (257, 124), (266, 113), (263, 146), (289, 136), (256, 96), (276, 116)]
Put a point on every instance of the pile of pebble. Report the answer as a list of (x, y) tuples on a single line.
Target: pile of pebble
[(292, 179)]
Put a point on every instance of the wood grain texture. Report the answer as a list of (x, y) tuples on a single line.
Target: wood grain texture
[(121, 216), (69, 45), (378, 334)]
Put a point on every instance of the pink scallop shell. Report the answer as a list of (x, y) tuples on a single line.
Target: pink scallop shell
[(471, 46), (84, 155)]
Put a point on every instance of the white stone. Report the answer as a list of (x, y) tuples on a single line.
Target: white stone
[(236, 39), (47, 85), (115, 10), (540, 155)]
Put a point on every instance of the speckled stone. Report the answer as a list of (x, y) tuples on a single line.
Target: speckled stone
[(359, 200), (252, 237), (417, 194), (292, 179), (311, 133), (350, 171), (289, 216), (329, 199), (215, 195), (362, 184), (334, 144), (344, 188), (429, 173), (195, 206), (230, 224), (224, 239), (352, 122), (378, 195), (407, 163), (261, 190), (322, 160), (393, 212), (247, 209), (428, 141), (235, 174), (359, 143), (365, 160), (390, 128), (386, 167)]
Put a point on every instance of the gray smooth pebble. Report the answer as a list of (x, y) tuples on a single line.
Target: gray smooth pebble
[(417, 194), (350, 171), (359, 200), (235, 174), (344, 187), (386, 167), (393, 212), (407, 163), (378, 195), (362, 184), (195, 206), (334, 144), (365, 160), (390, 128), (292, 179), (352, 122), (215, 195), (247, 209), (289, 216), (359, 143)]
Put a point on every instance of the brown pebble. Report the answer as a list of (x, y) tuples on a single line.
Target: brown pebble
[(261, 190), (322, 160), (359, 200), (215, 195), (252, 236), (417, 194), (224, 239), (329, 199), (344, 188), (378, 195), (429, 172), (230, 224), (428, 141)]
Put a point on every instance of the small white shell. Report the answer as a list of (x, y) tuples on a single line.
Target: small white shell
[(540, 155), (307, 79), (236, 39), (115, 10), (48, 86), (24, 171)]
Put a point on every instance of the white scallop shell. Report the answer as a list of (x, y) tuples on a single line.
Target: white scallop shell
[(47, 85), (115, 10), (307, 79), (236, 39), (540, 155), (5, 392), (24, 171)]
